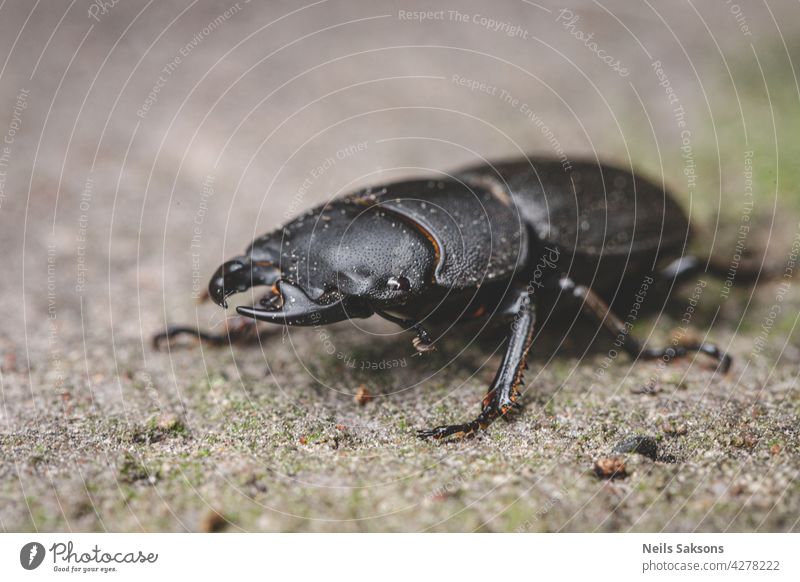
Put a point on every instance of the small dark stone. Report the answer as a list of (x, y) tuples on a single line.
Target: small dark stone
[(644, 445), (213, 522), (650, 388)]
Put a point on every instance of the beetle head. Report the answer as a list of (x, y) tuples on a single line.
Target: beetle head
[(343, 261)]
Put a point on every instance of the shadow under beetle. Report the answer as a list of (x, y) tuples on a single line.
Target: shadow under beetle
[(501, 240)]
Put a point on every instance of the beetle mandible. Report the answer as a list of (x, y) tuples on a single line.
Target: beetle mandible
[(505, 240)]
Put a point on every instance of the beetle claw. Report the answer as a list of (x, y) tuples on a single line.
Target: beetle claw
[(297, 308)]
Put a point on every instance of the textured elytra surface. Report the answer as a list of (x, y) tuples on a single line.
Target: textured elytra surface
[(98, 432), (607, 227), (594, 210)]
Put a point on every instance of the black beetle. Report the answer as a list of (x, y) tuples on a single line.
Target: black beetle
[(502, 240)]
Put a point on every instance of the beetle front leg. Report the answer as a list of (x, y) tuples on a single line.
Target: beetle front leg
[(600, 310), (503, 395), (244, 330), (423, 342)]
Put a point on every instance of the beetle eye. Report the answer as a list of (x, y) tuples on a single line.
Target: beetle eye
[(398, 284)]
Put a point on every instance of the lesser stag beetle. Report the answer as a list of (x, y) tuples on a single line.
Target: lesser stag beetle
[(482, 242)]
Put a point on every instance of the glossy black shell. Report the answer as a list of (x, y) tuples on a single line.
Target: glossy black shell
[(477, 237), (606, 223), (486, 226)]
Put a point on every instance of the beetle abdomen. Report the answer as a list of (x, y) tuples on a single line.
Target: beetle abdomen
[(591, 209)]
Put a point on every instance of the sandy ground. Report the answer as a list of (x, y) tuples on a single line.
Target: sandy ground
[(146, 143)]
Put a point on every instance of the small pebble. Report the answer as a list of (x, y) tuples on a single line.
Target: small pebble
[(672, 429), (650, 388), (750, 440), (362, 395), (610, 468), (744, 441)]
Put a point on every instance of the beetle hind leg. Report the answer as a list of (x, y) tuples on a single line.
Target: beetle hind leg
[(503, 396), (599, 309)]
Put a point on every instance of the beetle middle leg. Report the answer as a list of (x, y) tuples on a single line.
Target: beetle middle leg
[(594, 305), (503, 395)]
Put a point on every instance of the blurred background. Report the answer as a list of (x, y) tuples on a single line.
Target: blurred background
[(146, 142)]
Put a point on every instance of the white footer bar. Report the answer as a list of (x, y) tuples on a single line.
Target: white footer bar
[(355, 557)]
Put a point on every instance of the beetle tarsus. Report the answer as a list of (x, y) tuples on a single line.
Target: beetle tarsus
[(423, 342), (423, 345), (458, 430), (488, 415), (680, 351)]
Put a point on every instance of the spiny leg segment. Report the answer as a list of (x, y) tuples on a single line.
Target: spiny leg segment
[(503, 395)]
